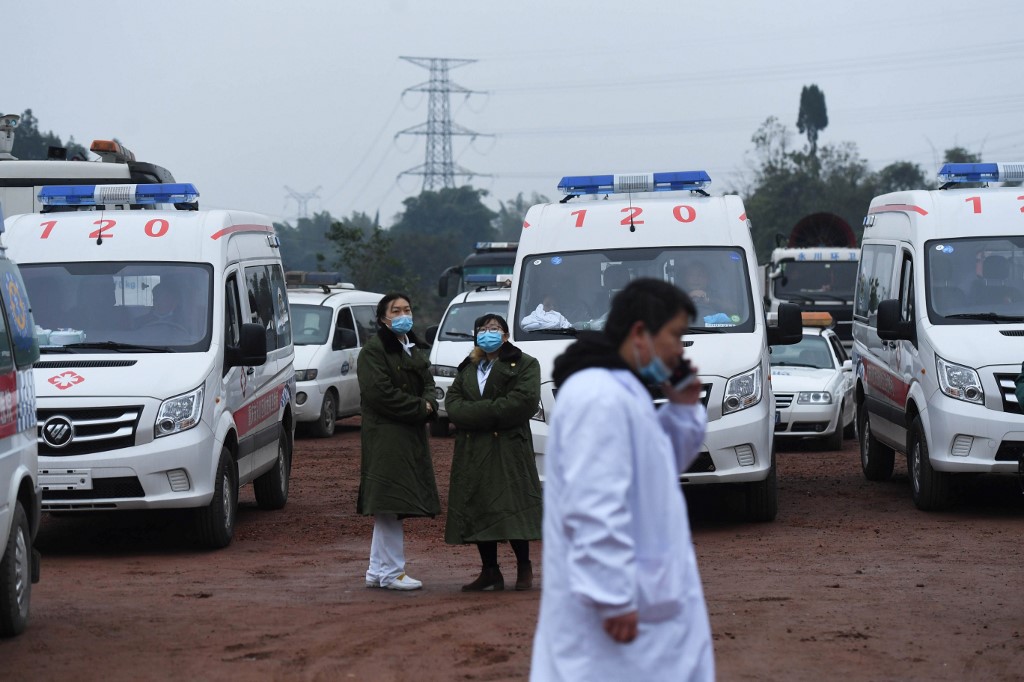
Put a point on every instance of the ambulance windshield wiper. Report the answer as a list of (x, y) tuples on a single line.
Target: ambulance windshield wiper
[(990, 317), (120, 347), (461, 335), (563, 331)]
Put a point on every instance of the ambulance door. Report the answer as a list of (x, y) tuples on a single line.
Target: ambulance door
[(344, 349), (878, 270), (264, 392), (236, 382), (904, 360)]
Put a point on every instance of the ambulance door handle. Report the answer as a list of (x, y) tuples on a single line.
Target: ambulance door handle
[(250, 370)]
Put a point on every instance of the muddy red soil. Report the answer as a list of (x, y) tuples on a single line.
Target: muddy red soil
[(849, 582)]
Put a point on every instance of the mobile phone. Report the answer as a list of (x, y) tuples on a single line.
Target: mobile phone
[(682, 376)]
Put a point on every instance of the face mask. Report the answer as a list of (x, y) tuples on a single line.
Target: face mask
[(401, 324), (489, 341), (655, 372)]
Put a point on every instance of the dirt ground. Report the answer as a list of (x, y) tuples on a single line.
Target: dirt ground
[(850, 582)]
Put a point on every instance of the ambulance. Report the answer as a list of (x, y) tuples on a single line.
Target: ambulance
[(937, 325), (20, 494), (166, 378), (575, 255)]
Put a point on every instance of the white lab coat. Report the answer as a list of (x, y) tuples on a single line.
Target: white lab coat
[(544, 319), (617, 536)]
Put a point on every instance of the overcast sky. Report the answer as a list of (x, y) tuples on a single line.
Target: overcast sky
[(244, 99)]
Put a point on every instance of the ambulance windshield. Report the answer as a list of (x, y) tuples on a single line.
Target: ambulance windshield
[(810, 280), (974, 280), (104, 306), (563, 293)]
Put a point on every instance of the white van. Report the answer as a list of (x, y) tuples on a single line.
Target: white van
[(167, 375), (20, 495), (574, 255), (454, 338), (938, 321), (331, 323)]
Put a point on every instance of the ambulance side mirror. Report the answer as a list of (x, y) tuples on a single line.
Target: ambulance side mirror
[(790, 328), (890, 326), (251, 350)]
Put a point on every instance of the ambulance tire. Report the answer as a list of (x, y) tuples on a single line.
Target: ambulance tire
[(931, 489), (763, 497), (272, 487), (215, 523), (324, 426), (16, 576), (439, 427), (876, 460)]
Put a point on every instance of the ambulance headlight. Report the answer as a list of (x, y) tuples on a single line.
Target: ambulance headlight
[(742, 391), (959, 382), (179, 414)]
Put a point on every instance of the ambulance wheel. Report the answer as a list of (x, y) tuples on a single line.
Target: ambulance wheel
[(876, 460), (439, 427), (763, 497), (930, 488), (215, 523), (16, 576), (324, 426), (272, 487)]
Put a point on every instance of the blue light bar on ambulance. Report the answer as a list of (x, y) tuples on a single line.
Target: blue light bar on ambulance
[(982, 172), (634, 182), (101, 195)]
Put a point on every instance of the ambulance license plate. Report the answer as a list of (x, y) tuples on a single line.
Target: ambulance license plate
[(65, 479)]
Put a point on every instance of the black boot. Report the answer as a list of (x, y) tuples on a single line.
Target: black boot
[(524, 576), (490, 579)]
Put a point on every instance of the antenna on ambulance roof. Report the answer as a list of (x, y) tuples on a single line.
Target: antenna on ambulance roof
[(8, 123)]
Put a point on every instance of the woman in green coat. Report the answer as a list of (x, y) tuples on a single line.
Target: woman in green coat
[(495, 493), (397, 477)]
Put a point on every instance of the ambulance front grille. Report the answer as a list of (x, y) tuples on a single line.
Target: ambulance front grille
[(97, 429)]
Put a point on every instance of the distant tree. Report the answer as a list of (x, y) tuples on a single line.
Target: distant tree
[(898, 176), (509, 221), (961, 155), (30, 143), (368, 256), (813, 116), (304, 246)]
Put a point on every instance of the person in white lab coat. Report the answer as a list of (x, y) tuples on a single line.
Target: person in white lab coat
[(621, 594)]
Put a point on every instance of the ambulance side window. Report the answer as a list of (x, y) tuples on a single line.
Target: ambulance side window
[(232, 315), (873, 280), (366, 322), (6, 353), (345, 322), (282, 313), (261, 302)]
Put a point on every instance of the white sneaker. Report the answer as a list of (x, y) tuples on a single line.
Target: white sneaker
[(404, 582), (373, 582)]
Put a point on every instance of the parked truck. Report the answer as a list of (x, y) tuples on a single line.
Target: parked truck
[(816, 268), (490, 262)]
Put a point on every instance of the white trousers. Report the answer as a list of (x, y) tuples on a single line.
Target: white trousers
[(387, 549)]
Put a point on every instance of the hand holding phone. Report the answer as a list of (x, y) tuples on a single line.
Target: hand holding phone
[(682, 376)]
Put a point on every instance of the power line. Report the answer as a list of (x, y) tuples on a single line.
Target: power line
[(439, 169)]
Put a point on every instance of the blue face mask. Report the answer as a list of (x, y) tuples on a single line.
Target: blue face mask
[(655, 372), (489, 341), (401, 324)]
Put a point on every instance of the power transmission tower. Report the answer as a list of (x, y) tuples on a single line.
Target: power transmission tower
[(438, 169), (302, 200)]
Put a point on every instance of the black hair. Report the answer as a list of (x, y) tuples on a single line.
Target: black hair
[(651, 301), (382, 305), (484, 319)]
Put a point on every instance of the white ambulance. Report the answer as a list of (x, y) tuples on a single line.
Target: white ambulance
[(166, 377), (575, 254), (20, 494), (938, 323), (332, 321)]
